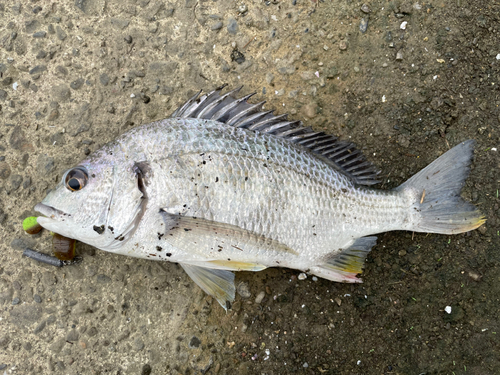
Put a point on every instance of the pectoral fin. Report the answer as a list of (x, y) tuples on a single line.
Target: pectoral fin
[(218, 283), (204, 237)]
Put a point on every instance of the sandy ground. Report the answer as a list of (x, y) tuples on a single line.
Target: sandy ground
[(405, 80)]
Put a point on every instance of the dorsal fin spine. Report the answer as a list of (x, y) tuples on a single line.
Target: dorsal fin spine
[(237, 112)]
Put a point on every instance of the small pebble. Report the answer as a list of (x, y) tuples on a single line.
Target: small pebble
[(260, 297), (242, 9), (399, 55), (37, 298), (309, 110), (61, 35), (237, 56), (474, 276), (307, 75), (232, 26), (76, 84), (138, 344), (16, 301), (343, 45), (194, 342), (104, 79), (38, 69), (146, 369), (363, 25), (365, 8), (448, 309), (244, 290), (53, 115), (302, 276), (216, 26), (41, 54)]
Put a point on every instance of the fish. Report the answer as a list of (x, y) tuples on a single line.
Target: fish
[(224, 185)]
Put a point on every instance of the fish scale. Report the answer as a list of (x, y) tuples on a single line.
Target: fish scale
[(218, 198)]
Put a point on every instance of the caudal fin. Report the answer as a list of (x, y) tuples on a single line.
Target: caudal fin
[(438, 207)]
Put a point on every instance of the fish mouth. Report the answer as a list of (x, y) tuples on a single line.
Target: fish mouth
[(51, 212)]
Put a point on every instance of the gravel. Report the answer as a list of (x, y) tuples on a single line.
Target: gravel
[(216, 26), (38, 69), (61, 34), (40, 34), (260, 297), (232, 26), (243, 290), (77, 84), (363, 25)]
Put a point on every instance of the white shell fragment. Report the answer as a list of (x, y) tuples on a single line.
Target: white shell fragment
[(403, 25), (260, 297), (302, 276), (448, 309)]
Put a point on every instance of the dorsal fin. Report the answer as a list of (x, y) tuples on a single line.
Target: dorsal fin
[(237, 112)]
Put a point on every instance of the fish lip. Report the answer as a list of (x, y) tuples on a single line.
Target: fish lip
[(51, 212)]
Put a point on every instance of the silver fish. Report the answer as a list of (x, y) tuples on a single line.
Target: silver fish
[(224, 186)]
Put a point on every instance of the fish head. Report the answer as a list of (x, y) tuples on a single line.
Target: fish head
[(99, 202)]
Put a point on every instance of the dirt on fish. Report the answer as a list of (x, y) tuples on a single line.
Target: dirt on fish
[(404, 80)]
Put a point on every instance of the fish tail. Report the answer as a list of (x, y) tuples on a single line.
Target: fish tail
[(435, 191)]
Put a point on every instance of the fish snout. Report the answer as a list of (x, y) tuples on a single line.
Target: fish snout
[(50, 212)]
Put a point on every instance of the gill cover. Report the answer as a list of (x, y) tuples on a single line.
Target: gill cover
[(99, 202)]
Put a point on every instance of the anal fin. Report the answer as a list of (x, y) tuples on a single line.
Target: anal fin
[(218, 283), (347, 264)]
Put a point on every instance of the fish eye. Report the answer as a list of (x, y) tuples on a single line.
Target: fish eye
[(76, 179)]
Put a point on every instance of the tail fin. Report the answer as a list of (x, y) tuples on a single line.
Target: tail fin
[(436, 190)]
